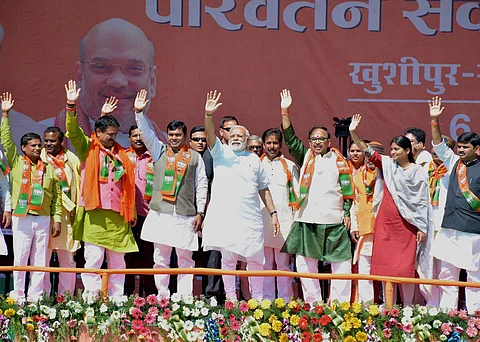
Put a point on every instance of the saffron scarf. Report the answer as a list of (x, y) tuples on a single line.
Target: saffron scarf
[(91, 189), (345, 177), (369, 177), (292, 196), (31, 193), (435, 173), (149, 176), (58, 164), (174, 172), (470, 197)]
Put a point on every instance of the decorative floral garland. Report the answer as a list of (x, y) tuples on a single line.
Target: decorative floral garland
[(190, 319)]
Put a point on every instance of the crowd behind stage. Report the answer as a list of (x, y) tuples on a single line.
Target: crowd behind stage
[(235, 199)]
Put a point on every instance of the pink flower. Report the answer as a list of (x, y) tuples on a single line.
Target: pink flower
[(163, 302), (137, 324), (243, 307), (387, 333), (150, 319), (477, 313), (139, 302), (72, 323), (144, 331), (229, 305), (136, 313), (446, 329), (408, 328), (463, 314), (458, 329), (167, 313), (471, 322), (152, 299), (395, 312), (153, 310), (472, 332), (235, 325), (452, 313), (237, 338)]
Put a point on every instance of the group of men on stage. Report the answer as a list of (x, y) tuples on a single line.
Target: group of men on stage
[(239, 192)]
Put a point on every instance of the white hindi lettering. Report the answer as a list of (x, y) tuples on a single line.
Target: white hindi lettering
[(455, 125), (408, 72)]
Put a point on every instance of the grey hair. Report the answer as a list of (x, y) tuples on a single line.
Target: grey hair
[(255, 137), (247, 133), (2, 33)]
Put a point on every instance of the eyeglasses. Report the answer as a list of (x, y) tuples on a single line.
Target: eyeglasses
[(226, 128), (318, 139), (199, 139), (107, 69), (253, 147)]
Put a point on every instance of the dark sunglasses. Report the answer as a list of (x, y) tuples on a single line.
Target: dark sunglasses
[(199, 139), (254, 147), (226, 128)]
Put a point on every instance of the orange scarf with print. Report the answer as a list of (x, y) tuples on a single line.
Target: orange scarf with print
[(91, 186)]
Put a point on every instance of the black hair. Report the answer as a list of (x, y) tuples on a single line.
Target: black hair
[(273, 131), (26, 138), (176, 124), (353, 142), (469, 138), (103, 122), (197, 129), (418, 133), (55, 129), (319, 127), (134, 127), (228, 118), (404, 143)]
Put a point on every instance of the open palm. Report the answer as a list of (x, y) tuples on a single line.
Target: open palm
[(211, 105), (286, 99), (109, 106), (355, 122), (436, 108), (7, 102)]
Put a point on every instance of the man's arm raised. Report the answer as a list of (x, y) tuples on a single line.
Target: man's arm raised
[(153, 145), (109, 106), (286, 102), (79, 140), (353, 132), (6, 133), (436, 110), (210, 107)]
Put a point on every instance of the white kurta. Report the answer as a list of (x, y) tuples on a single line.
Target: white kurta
[(171, 229), (234, 220), (324, 202), (423, 159), (5, 203), (279, 190)]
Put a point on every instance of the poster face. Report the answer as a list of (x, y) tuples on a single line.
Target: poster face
[(383, 59)]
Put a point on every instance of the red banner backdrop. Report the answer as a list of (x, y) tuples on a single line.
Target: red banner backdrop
[(383, 59)]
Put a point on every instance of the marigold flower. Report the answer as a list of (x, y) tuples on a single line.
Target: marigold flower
[(10, 300), (373, 310), (356, 307), (319, 309), (317, 337), (30, 326), (294, 320), (264, 329), (277, 326), (283, 337), (303, 323), (258, 314), (280, 303), (325, 320), (344, 306), (265, 304), (306, 336), (285, 314), (361, 336), (349, 339), (252, 304), (9, 312)]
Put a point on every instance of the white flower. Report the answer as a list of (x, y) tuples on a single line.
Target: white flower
[(423, 310), (437, 324), (90, 312), (188, 325), (199, 323), (409, 338), (52, 313), (433, 311), (56, 324), (191, 336), (213, 301), (103, 328), (443, 337), (163, 323), (32, 306), (103, 308), (91, 298), (408, 311), (199, 304), (204, 311), (176, 297), (115, 315), (195, 312), (64, 313), (407, 320), (20, 312), (175, 307), (201, 335), (188, 299), (119, 300), (186, 311), (45, 309)]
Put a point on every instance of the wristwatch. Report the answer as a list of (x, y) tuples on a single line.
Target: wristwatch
[(273, 213)]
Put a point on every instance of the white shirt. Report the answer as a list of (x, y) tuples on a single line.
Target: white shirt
[(234, 220), (280, 193), (5, 202), (423, 159), (324, 202)]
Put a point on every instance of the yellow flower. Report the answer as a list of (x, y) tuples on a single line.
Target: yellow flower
[(361, 336), (277, 326), (346, 326), (349, 339), (30, 326), (356, 307), (292, 305), (294, 320), (258, 314), (345, 306), (265, 304), (252, 304), (369, 320), (283, 338), (348, 317), (356, 323), (10, 300), (1, 312), (285, 314), (373, 310), (29, 319), (264, 329), (9, 313), (280, 303), (272, 319)]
